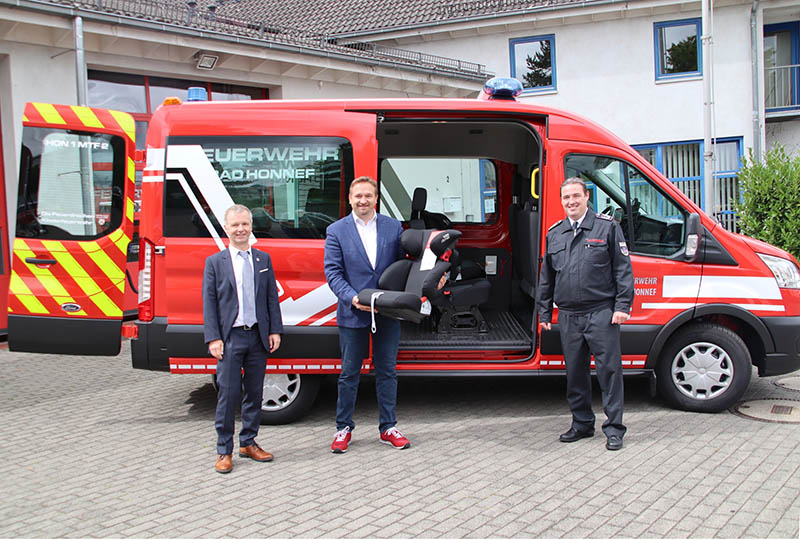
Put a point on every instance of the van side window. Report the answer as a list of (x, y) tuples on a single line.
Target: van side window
[(651, 222), (295, 186), (463, 189), (71, 184)]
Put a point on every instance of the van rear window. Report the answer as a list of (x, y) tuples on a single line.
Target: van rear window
[(295, 186)]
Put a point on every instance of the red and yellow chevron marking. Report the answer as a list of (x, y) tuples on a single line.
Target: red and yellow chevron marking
[(85, 275), (76, 117)]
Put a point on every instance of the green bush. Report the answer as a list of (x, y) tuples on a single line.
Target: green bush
[(770, 206)]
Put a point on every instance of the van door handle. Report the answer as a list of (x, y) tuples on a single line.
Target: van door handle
[(34, 260)]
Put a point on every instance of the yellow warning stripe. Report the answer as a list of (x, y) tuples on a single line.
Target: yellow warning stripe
[(50, 283), (18, 288), (84, 280), (120, 240), (87, 116), (24, 119), (132, 171), (49, 113), (126, 122), (129, 209), (104, 262)]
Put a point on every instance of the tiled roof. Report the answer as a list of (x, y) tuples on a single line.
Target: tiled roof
[(353, 16), (274, 22)]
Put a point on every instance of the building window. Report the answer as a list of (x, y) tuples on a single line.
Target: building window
[(682, 164), (677, 48), (533, 62), (782, 66)]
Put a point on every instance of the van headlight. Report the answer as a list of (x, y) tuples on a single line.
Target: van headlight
[(786, 272)]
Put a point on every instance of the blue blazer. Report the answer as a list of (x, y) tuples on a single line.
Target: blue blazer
[(221, 304), (347, 267)]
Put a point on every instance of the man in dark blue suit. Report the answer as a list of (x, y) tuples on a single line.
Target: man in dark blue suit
[(241, 322), (358, 248)]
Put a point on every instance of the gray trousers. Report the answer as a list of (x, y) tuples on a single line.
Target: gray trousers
[(582, 336)]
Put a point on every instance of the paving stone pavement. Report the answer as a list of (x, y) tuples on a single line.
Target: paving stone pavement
[(94, 448)]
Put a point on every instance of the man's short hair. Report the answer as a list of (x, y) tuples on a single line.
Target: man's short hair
[(362, 179), (575, 180), (235, 209)]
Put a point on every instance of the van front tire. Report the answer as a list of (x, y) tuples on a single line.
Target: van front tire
[(704, 368)]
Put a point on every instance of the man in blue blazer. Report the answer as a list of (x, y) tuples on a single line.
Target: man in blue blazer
[(241, 322), (358, 248)]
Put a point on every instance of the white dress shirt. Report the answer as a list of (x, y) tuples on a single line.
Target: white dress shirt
[(571, 221), (237, 274), (369, 236)]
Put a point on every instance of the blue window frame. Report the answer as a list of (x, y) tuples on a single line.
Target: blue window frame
[(782, 66), (533, 63), (682, 163), (677, 49)]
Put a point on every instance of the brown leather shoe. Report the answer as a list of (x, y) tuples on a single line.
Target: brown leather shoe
[(255, 452), (224, 463)]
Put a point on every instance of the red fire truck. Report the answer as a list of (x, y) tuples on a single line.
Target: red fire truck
[(709, 305)]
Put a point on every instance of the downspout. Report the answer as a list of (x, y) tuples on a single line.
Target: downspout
[(755, 68), (80, 62), (709, 205)]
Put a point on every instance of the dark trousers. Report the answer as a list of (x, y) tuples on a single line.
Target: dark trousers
[(354, 343), (582, 335), (240, 374)]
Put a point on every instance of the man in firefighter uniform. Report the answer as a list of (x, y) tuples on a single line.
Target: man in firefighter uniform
[(587, 273)]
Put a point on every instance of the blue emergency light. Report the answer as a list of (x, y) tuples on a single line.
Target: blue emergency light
[(502, 88), (196, 93)]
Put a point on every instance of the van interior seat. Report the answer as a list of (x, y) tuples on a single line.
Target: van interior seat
[(408, 287), (422, 219)]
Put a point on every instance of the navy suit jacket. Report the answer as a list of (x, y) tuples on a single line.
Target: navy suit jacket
[(347, 267), (221, 304)]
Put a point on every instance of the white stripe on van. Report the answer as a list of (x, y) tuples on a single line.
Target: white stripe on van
[(764, 288)]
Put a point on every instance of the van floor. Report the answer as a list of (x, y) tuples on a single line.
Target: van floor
[(505, 333)]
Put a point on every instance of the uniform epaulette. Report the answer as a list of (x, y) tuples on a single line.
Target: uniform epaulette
[(605, 217), (554, 225)]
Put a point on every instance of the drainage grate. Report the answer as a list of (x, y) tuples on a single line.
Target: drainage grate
[(782, 411)]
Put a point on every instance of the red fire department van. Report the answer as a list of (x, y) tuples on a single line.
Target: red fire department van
[(709, 304)]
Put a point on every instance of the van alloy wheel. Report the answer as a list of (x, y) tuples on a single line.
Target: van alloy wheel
[(280, 390), (287, 397)]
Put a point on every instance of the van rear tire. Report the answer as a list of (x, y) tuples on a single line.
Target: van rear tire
[(287, 397), (704, 368)]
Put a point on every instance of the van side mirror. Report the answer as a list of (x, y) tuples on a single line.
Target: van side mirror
[(692, 238)]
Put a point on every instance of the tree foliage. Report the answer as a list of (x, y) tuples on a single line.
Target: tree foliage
[(770, 204), (540, 67), (682, 56)]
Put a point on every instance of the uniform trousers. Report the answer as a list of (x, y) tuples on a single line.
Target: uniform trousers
[(354, 343), (588, 334), (240, 374)]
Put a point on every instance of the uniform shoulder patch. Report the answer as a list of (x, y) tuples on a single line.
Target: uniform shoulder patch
[(554, 225), (605, 217)]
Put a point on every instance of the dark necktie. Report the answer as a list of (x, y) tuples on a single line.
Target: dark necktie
[(574, 228)]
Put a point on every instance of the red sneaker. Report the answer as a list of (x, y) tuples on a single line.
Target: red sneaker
[(341, 440), (395, 438)]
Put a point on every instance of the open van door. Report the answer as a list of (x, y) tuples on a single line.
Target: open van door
[(74, 222)]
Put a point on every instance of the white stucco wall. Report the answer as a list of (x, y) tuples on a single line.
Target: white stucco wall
[(786, 133), (605, 71)]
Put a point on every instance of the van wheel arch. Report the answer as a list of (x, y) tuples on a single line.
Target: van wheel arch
[(750, 328)]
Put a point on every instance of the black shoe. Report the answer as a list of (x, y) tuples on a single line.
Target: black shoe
[(574, 435), (614, 442)]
